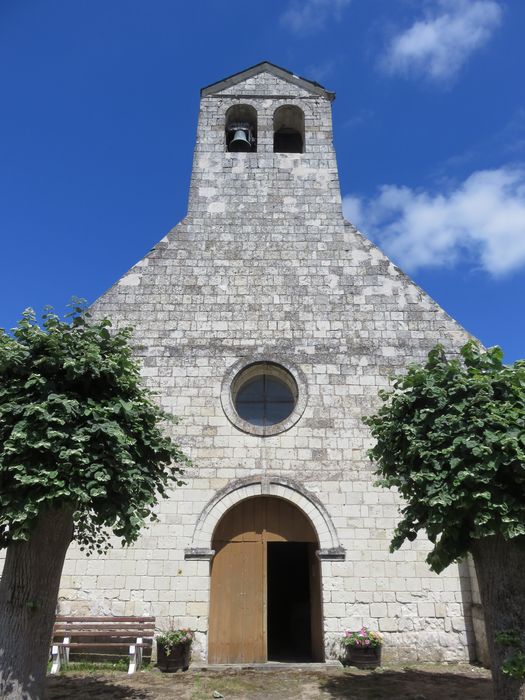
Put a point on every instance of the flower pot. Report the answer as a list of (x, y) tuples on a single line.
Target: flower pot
[(363, 657), (177, 659)]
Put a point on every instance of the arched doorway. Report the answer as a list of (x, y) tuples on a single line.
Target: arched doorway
[(265, 585)]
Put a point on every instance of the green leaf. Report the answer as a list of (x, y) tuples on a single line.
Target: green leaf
[(78, 427), (449, 437)]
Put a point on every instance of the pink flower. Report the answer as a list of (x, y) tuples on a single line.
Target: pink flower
[(367, 642)]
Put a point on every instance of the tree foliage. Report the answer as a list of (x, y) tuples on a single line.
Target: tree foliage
[(79, 430), (451, 437)]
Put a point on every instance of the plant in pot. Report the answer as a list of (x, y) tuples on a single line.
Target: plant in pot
[(363, 648), (174, 649)]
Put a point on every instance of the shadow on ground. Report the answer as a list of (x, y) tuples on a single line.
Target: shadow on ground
[(62, 688), (437, 682), (407, 685)]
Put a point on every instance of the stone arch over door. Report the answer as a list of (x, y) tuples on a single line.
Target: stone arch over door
[(280, 487)]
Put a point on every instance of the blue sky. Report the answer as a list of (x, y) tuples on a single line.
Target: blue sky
[(99, 102)]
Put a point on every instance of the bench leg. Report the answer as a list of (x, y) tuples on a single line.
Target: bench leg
[(60, 655), (56, 659), (135, 656)]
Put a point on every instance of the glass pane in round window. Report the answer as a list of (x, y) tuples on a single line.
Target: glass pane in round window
[(264, 400)]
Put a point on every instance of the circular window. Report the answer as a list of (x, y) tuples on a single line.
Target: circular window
[(263, 397), (266, 398)]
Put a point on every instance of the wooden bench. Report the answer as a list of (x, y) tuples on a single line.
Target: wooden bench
[(111, 632)]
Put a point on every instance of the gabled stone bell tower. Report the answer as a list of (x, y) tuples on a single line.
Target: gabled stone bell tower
[(268, 324), (289, 170)]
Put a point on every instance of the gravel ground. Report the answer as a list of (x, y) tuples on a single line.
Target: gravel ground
[(423, 682)]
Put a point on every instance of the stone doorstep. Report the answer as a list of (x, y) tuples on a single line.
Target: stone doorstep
[(269, 666)]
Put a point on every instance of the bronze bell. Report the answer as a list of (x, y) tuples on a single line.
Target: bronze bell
[(240, 142)]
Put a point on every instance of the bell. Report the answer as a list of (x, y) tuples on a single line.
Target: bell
[(239, 142)]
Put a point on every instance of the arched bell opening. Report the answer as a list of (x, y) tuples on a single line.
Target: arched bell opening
[(288, 130), (241, 129), (265, 585)]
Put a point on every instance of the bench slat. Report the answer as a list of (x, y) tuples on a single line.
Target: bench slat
[(99, 629), (103, 633), (111, 623), (58, 629), (109, 633), (99, 632), (100, 644), (102, 619)]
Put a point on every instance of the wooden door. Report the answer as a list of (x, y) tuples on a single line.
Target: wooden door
[(237, 625), (237, 610), (238, 605)]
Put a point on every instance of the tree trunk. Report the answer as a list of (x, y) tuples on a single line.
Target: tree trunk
[(500, 568), (28, 598)]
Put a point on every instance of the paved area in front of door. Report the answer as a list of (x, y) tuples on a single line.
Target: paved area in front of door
[(421, 682)]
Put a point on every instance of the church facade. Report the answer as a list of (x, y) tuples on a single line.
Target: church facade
[(267, 323)]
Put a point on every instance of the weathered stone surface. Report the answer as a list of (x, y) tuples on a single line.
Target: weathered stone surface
[(265, 264)]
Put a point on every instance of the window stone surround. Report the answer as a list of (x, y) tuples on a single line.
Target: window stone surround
[(263, 430)]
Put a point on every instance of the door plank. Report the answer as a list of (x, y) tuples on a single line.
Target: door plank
[(237, 609)]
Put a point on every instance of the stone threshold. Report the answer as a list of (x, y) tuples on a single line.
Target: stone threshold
[(270, 666)]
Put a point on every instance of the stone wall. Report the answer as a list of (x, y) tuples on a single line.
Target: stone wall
[(265, 265)]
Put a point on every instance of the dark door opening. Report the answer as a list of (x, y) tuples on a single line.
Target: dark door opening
[(289, 604)]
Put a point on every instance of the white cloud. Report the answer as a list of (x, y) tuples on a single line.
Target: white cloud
[(308, 16), (437, 46), (480, 221)]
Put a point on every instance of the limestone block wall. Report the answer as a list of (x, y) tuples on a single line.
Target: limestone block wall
[(265, 265)]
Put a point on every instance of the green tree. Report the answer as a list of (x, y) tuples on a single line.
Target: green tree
[(82, 457), (450, 437)]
